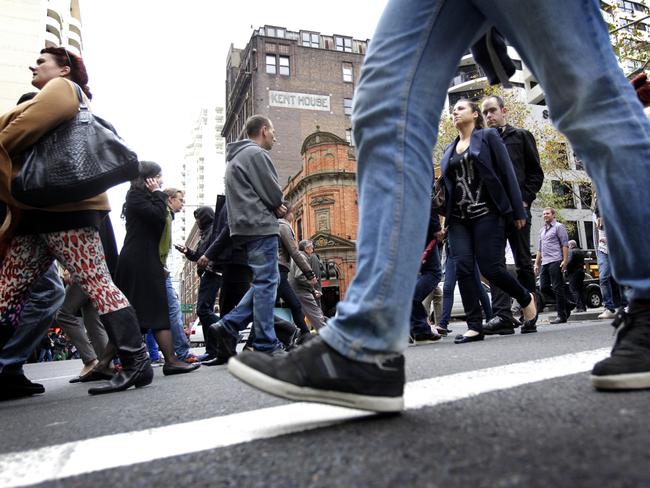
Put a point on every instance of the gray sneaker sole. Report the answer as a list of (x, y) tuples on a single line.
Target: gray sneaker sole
[(631, 381), (290, 391)]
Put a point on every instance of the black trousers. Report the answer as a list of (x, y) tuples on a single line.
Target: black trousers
[(519, 240), (576, 287), (551, 282), (209, 287)]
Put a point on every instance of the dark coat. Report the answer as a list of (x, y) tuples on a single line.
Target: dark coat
[(204, 219), (140, 273), (494, 166), (522, 150), (223, 249)]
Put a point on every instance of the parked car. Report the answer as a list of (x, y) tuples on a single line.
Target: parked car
[(592, 297), (457, 309), (196, 334)]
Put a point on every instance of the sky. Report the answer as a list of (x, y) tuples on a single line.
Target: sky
[(153, 64)]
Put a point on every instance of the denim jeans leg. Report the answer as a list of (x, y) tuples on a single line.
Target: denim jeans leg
[(410, 62), (448, 289), (258, 302), (181, 344), (604, 279), (38, 315), (567, 47), (152, 346)]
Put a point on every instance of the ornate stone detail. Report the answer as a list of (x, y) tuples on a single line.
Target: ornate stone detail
[(321, 138), (322, 200)]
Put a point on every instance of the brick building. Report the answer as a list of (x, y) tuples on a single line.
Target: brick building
[(324, 197), (300, 80), (189, 280)]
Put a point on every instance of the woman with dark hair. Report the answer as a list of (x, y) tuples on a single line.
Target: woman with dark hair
[(32, 239), (482, 192), (141, 272)]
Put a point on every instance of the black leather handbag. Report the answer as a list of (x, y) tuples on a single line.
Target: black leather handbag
[(79, 159)]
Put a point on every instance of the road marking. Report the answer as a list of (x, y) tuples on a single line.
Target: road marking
[(80, 457)]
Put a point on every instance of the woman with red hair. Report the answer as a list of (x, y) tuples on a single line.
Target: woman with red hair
[(642, 87)]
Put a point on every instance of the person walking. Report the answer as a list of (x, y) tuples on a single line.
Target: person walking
[(553, 256), (254, 202), (413, 55), (141, 272), (575, 271), (32, 239), (307, 290), (522, 149)]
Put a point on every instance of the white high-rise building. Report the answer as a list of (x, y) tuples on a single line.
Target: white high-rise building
[(26, 27), (202, 173)]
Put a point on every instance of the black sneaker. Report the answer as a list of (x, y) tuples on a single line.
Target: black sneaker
[(226, 344), (499, 326), (315, 372), (628, 367)]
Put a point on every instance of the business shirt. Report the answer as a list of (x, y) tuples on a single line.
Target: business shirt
[(552, 238)]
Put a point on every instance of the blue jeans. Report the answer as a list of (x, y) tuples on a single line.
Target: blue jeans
[(449, 287), (181, 344), (410, 62), (152, 346), (258, 302), (38, 315), (428, 279), (613, 294)]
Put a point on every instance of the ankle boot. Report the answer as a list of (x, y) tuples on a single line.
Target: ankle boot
[(124, 333)]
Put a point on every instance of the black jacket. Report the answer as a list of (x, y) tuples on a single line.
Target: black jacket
[(223, 250), (522, 150), (205, 217), (494, 166), (576, 260)]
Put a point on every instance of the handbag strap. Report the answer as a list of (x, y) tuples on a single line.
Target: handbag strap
[(82, 103)]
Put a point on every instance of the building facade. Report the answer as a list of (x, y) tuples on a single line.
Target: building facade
[(26, 27), (323, 195), (302, 80)]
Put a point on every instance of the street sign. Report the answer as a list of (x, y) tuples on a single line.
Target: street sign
[(187, 308)]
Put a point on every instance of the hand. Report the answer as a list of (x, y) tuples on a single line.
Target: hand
[(520, 223), (440, 235), (151, 184), (563, 266), (317, 294), (281, 211), (313, 281), (525, 204), (536, 269), (180, 248), (202, 262), (66, 277), (599, 223)]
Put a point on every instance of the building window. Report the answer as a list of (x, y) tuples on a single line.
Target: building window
[(586, 195), (349, 136), (343, 44), (565, 192), (284, 65), (347, 106), (277, 64), (270, 64), (323, 220), (348, 76), (299, 229), (310, 39), (275, 31)]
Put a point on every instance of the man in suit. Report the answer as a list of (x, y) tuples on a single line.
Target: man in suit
[(522, 150)]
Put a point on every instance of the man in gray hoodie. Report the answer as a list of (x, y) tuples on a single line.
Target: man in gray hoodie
[(254, 204)]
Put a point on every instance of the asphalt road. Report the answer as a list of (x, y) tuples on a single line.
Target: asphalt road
[(553, 433)]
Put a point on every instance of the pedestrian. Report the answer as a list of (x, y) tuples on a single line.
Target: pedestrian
[(575, 271), (482, 195), (551, 262), (33, 239), (46, 347), (175, 202), (307, 246), (522, 149), (613, 295), (254, 202), (307, 290), (289, 253), (210, 273), (141, 272), (414, 52)]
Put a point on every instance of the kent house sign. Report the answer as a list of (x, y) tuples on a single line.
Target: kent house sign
[(305, 101)]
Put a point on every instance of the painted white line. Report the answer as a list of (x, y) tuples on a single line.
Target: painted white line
[(80, 457)]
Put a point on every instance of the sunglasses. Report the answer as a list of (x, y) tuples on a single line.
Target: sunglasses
[(67, 55)]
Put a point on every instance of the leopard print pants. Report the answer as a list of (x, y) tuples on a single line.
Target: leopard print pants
[(79, 251)]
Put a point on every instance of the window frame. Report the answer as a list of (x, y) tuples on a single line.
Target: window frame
[(344, 67)]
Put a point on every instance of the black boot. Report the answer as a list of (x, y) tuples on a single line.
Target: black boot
[(124, 333)]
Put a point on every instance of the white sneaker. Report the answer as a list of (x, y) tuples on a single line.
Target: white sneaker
[(607, 314)]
